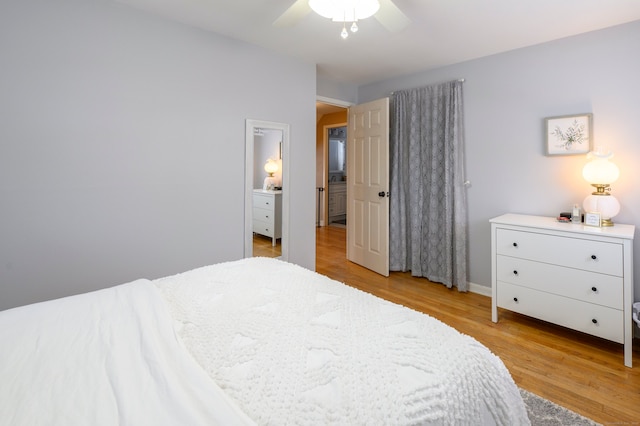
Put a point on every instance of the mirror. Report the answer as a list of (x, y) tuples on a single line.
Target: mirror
[(266, 194)]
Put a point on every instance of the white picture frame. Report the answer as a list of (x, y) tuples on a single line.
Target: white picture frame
[(593, 219)]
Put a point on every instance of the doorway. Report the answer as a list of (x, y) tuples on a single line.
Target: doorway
[(329, 115), (337, 174)]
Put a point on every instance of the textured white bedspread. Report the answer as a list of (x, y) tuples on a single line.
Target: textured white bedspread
[(109, 357), (293, 347)]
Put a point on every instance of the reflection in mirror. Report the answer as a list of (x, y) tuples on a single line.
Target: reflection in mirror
[(266, 198), (267, 192)]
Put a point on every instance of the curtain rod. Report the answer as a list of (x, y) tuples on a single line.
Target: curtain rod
[(461, 80)]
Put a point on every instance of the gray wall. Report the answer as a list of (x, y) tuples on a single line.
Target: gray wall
[(346, 92), (507, 96), (122, 146)]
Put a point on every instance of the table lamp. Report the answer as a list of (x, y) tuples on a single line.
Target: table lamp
[(270, 167), (600, 173)]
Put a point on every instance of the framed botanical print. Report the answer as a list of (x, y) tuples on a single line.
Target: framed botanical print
[(569, 134)]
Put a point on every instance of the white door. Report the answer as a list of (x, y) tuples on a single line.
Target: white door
[(368, 186)]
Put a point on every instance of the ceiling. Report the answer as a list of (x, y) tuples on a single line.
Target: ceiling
[(441, 32)]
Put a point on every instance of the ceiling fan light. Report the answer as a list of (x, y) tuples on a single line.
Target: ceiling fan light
[(345, 10), (366, 8), (324, 8), (345, 16)]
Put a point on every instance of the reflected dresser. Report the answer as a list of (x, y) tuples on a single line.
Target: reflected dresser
[(267, 213)]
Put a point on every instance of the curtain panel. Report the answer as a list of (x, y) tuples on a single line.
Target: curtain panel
[(428, 204)]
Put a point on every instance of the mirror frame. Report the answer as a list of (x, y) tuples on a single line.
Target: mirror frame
[(250, 126)]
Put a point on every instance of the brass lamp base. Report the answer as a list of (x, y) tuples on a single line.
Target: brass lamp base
[(602, 202), (606, 222)]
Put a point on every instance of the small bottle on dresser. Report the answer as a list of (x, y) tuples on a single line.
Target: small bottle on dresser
[(576, 217)]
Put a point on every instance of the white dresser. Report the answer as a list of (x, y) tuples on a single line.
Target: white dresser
[(267, 213), (337, 201), (569, 274)]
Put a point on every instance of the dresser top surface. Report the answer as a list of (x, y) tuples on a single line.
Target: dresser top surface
[(551, 223), (266, 191)]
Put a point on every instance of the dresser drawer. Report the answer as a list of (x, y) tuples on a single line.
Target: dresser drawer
[(332, 204), (263, 228), (592, 287), (263, 215), (582, 316), (263, 201), (595, 256)]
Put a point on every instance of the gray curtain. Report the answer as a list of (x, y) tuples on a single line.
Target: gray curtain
[(428, 205)]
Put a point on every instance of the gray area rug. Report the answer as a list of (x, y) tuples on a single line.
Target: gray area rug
[(543, 412)]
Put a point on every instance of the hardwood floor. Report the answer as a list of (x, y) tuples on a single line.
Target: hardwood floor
[(263, 246), (580, 372)]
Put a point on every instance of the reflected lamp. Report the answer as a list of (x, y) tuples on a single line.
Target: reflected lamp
[(270, 167)]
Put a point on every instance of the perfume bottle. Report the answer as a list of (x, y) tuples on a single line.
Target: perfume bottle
[(575, 214)]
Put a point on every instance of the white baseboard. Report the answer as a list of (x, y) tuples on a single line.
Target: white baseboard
[(480, 289)]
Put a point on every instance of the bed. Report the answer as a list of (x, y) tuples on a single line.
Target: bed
[(254, 341)]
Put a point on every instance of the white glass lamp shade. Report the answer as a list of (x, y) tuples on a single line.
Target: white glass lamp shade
[(270, 181), (345, 10), (271, 167), (600, 170)]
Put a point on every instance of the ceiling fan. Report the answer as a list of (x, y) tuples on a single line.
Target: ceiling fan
[(389, 15)]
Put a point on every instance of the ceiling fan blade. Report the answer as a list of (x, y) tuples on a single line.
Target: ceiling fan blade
[(391, 17), (294, 14)]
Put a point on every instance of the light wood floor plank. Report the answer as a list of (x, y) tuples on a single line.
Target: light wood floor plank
[(263, 246), (580, 372)]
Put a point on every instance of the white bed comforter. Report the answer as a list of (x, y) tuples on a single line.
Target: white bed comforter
[(109, 357), (294, 347)]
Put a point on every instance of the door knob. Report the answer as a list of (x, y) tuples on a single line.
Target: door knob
[(381, 194)]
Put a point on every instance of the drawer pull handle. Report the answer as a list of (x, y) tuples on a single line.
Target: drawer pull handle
[(594, 289), (515, 244), (595, 321), (594, 257), (515, 299), (515, 272)]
